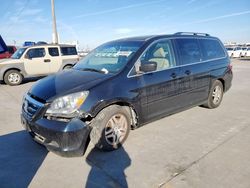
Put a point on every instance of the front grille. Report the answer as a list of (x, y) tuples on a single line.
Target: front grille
[(30, 107)]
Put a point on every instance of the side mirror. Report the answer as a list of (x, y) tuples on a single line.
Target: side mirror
[(148, 66)]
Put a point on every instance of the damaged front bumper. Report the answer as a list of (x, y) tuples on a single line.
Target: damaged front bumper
[(65, 138)]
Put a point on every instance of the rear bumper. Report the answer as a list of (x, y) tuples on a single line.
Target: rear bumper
[(67, 139), (228, 78)]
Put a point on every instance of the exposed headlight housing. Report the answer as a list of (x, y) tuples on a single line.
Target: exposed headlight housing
[(68, 105)]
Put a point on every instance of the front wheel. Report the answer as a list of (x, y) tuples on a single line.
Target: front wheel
[(215, 95), (110, 128), (13, 77)]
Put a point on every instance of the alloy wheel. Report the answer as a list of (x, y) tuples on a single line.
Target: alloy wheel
[(116, 129), (217, 94), (14, 78)]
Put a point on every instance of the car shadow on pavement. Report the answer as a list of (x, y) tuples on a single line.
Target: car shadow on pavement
[(20, 158), (107, 168)]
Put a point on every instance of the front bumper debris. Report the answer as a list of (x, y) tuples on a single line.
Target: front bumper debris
[(67, 139)]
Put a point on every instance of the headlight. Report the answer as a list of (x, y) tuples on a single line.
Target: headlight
[(67, 106)]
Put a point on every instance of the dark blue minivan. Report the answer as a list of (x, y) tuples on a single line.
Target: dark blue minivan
[(122, 85)]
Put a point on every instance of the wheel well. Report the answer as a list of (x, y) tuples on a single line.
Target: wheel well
[(133, 112), (10, 70), (68, 65), (223, 83)]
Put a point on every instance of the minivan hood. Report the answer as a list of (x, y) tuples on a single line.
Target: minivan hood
[(66, 82)]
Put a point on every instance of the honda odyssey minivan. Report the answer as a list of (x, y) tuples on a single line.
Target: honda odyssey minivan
[(122, 85)]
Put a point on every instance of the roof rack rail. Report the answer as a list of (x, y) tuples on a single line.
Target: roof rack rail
[(191, 33)]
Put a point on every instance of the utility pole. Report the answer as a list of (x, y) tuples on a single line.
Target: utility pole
[(54, 34)]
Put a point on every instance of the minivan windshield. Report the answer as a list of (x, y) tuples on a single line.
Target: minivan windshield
[(18, 54), (110, 57)]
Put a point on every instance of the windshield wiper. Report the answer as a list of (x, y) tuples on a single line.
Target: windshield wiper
[(94, 70)]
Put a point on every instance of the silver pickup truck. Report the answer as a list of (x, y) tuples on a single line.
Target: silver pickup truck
[(38, 60)]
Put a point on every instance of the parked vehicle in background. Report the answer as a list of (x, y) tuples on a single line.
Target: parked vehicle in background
[(3, 47), (83, 53), (124, 84), (234, 52), (11, 50), (38, 60), (28, 43), (244, 51), (248, 52), (41, 43)]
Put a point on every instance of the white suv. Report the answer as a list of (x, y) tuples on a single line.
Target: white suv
[(247, 52), (37, 60), (234, 52)]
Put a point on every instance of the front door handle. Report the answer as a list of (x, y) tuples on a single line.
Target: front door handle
[(173, 75), (46, 60), (187, 72)]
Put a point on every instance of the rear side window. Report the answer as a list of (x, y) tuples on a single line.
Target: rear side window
[(68, 51), (189, 50), (211, 49), (53, 52)]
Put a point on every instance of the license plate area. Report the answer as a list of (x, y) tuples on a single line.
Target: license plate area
[(25, 124), (39, 138)]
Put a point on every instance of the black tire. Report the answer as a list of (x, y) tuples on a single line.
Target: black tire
[(13, 77), (101, 125), (211, 101), (67, 67)]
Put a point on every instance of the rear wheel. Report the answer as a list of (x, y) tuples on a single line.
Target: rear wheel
[(67, 67), (111, 127), (13, 77), (215, 95)]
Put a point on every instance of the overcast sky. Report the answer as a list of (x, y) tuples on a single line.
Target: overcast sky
[(92, 22)]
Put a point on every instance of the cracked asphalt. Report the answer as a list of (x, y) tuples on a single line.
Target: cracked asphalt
[(195, 148)]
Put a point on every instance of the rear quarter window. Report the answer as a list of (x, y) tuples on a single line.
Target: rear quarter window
[(68, 51), (211, 49)]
